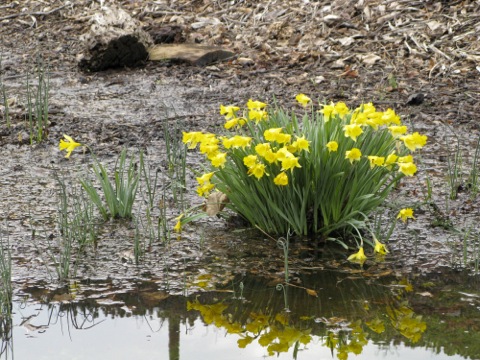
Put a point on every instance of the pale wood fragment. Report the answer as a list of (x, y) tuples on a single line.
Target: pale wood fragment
[(194, 54)]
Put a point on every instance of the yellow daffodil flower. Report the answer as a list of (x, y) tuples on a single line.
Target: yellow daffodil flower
[(283, 153), (390, 117), (283, 138), (270, 156), (414, 141), (328, 112), (192, 138), (261, 149), (178, 226), (405, 214), (230, 123), (257, 170), (359, 118), (341, 109), (205, 178), (301, 144), (219, 160), (405, 159), (229, 111), (379, 247), (241, 141), (352, 131), (332, 146), (257, 115), (376, 161), (250, 160), (353, 155), (397, 131), (408, 169), (209, 148), (359, 257), (303, 99), (272, 134), (235, 122), (227, 142), (68, 145), (374, 120), (391, 159), (255, 105), (289, 163), (281, 179), (367, 108), (205, 189)]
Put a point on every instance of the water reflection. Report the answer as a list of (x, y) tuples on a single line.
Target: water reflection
[(343, 314), (329, 315)]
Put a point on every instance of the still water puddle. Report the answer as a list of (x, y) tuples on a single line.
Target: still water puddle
[(331, 315)]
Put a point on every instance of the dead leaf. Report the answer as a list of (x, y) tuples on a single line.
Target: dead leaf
[(338, 64), (215, 203), (436, 27), (11, 102), (332, 19), (311, 292), (346, 41), (369, 59), (349, 72)]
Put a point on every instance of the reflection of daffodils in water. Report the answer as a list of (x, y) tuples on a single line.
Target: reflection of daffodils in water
[(407, 322), (275, 334), (345, 343), (376, 325), (279, 333)]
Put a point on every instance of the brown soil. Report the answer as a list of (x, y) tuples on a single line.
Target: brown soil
[(352, 51)]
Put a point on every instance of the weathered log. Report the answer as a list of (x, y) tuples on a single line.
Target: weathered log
[(114, 39)]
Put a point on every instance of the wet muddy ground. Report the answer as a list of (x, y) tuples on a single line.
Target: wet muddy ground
[(139, 108)]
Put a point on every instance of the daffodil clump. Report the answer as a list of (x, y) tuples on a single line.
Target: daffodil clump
[(318, 175)]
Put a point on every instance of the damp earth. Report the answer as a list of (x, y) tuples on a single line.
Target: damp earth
[(219, 276)]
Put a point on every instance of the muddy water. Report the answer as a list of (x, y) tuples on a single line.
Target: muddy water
[(347, 315)]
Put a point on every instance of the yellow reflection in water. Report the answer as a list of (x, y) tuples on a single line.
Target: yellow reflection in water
[(281, 331)]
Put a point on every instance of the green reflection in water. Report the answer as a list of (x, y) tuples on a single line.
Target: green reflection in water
[(345, 313)]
